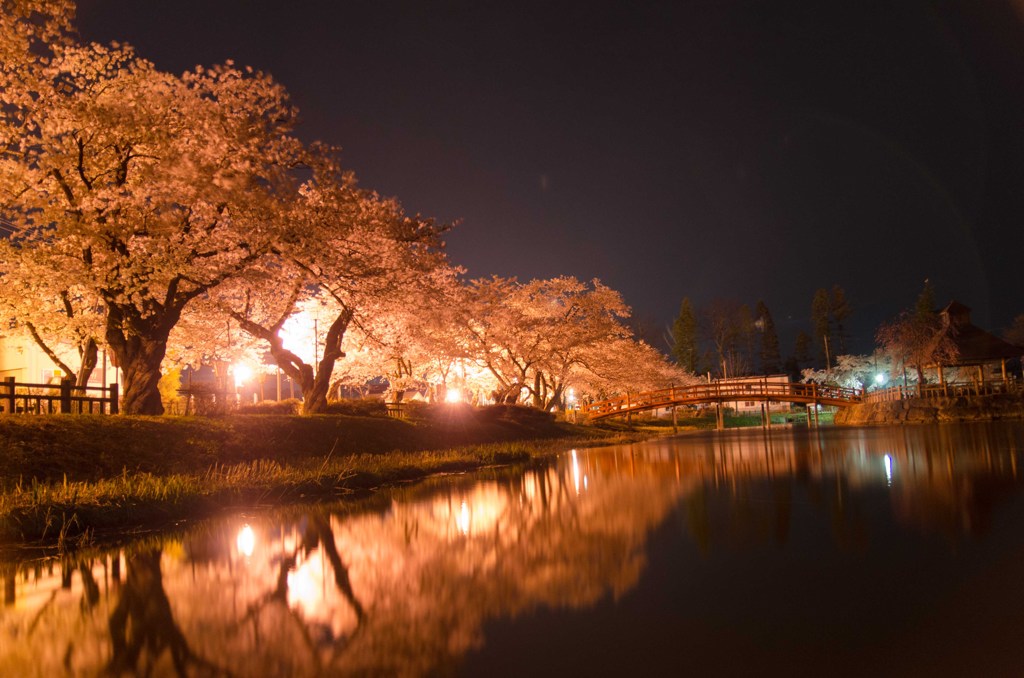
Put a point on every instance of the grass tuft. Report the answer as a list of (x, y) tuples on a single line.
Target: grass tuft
[(150, 472)]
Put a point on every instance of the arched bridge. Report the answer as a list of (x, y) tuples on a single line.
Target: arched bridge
[(725, 392)]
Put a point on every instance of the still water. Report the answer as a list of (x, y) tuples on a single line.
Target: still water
[(879, 551)]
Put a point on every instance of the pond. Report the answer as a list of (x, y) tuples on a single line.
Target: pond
[(875, 551)]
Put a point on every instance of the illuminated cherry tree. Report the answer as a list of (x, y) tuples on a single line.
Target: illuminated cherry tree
[(147, 189), (350, 251), (539, 338)]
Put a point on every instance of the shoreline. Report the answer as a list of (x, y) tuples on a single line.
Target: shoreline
[(997, 407), (178, 477)]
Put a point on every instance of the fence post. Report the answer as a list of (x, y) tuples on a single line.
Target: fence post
[(112, 393), (65, 396), (9, 383)]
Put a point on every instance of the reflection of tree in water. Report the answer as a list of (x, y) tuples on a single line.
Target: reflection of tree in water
[(142, 626), (409, 588), (494, 551), (939, 479), (317, 535)]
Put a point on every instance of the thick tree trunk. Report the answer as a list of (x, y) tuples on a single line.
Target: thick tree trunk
[(142, 625), (141, 366), (139, 348)]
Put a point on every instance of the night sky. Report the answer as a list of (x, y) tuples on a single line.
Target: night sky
[(735, 149)]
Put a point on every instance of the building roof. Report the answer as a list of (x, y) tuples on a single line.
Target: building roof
[(974, 345)]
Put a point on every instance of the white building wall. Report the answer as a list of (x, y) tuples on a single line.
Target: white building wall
[(22, 359), (754, 406)]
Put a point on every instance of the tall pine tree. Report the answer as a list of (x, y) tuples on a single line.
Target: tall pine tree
[(684, 337), (821, 325), (925, 306), (771, 359), (839, 309)]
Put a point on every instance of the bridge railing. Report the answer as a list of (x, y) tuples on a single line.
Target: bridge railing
[(722, 392), (950, 389)]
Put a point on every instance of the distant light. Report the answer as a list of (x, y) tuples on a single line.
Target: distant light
[(453, 395), (243, 373), (888, 469), (879, 378)]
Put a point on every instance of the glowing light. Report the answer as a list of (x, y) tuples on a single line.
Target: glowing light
[(246, 541), (572, 396), (463, 520), (888, 469), (298, 336), (453, 395), (243, 373), (575, 472), (879, 378)]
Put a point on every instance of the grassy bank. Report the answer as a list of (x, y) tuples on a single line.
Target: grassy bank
[(63, 479)]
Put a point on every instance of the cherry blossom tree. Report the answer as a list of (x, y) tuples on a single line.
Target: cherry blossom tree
[(350, 250), (147, 189), (543, 336), (854, 371), (627, 365), (915, 338), (64, 321)]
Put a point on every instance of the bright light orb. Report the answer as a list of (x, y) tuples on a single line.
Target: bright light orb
[(246, 541), (453, 395), (243, 373), (879, 378)]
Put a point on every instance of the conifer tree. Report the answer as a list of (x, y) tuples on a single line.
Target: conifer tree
[(770, 357), (821, 324), (839, 309), (684, 337)]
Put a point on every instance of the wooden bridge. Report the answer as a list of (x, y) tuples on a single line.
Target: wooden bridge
[(724, 392)]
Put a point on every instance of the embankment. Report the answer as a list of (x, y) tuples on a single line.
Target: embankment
[(64, 478), (934, 410)]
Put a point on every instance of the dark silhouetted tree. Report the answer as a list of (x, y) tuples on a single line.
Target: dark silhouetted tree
[(1015, 332), (802, 348), (771, 359), (684, 337), (839, 309), (820, 324), (729, 326), (926, 300)]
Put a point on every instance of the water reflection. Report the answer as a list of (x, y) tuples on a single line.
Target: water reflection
[(406, 583)]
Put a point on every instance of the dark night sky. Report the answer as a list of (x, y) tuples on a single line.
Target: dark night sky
[(740, 149)]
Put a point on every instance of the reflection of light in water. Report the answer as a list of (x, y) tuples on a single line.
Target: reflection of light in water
[(303, 586), (585, 484), (463, 519), (575, 472), (246, 541), (888, 469)]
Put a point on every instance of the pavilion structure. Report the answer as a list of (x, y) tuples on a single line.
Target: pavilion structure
[(974, 348)]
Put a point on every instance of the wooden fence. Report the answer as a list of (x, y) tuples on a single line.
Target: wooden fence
[(951, 389), (62, 398)]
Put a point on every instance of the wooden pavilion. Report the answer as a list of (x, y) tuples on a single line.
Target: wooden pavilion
[(974, 346)]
